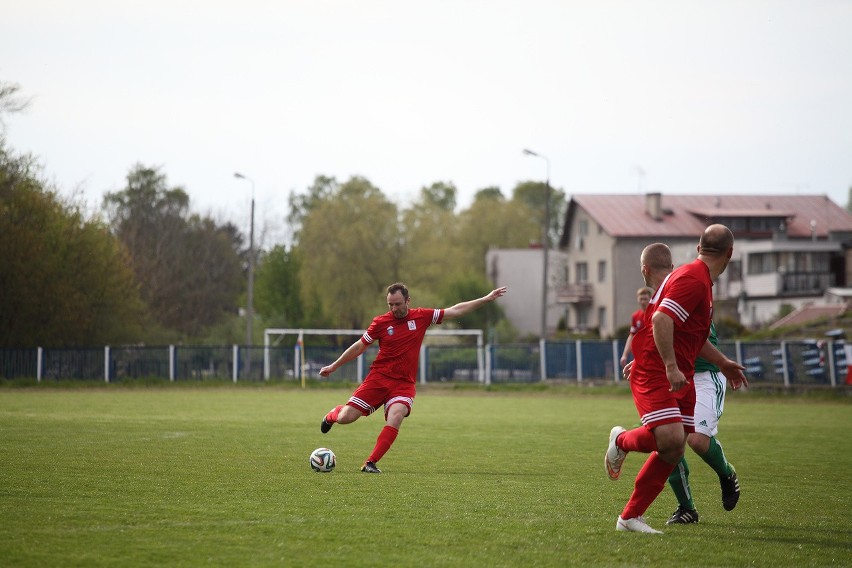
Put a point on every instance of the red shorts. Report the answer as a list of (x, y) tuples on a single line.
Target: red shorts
[(377, 390), (658, 406)]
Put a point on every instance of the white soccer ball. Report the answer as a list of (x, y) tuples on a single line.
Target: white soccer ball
[(323, 460)]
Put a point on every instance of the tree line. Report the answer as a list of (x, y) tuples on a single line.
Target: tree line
[(145, 268)]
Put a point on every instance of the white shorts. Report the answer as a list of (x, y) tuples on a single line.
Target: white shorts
[(709, 401)]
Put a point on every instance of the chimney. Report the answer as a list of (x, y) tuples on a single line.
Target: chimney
[(654, 206)]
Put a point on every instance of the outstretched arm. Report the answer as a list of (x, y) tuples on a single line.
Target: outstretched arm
[(351, 353), (462, 308)]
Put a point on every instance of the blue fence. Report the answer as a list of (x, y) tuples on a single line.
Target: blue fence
[(786, 363)]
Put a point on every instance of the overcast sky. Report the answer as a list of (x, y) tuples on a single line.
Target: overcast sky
[(678, 96)]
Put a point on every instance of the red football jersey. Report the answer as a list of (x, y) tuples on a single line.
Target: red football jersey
[(636, 320), (686, 296), (399, 341)]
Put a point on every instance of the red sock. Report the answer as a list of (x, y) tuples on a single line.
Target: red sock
[(638, 440), (331, 417), (383, 443), (649, 483)]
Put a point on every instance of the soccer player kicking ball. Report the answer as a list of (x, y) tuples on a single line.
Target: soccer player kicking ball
[(392, 378), (677, 325)]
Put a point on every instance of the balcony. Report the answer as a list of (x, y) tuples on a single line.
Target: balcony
[(574, 293), (788, 284), (797, 283)]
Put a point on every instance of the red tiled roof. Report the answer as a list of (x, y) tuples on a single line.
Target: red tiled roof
[(626, 215), (809, 313)]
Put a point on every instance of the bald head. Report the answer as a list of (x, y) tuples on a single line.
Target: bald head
[(656, 262), (716, 240), (715, 248), (657, 257)]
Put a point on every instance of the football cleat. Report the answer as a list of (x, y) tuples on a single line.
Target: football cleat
[(370, 467), (636, 524), (683, 516), (325, 426), (730, 490), (614, 456)]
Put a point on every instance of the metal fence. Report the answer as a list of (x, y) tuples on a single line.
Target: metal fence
[(771, 363)]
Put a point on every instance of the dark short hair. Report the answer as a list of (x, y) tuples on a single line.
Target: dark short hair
[(398, 287)]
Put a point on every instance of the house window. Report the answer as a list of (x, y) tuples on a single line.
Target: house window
[(582, 316), (601, 318), (735, 271), (761, 263), (601, 271), (582, 271), (583, 227)]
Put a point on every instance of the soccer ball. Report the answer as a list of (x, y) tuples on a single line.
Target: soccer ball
[(323, 460)]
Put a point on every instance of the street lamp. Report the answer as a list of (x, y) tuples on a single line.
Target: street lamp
[(544, 241), (250, 293)]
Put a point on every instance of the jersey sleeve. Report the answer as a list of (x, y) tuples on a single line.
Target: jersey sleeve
[(372, 333), (438, 316)]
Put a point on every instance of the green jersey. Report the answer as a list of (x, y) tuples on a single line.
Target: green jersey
[(702, 365)]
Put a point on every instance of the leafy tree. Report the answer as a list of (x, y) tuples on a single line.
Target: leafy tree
[(492, 221), (349, 251), (430, 242), (66, 280), (533, 195), (277, 293), (468, 285), (10, 101), (189, 269), (441, 195), (323, 189)]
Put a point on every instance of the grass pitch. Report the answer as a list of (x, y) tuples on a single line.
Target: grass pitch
[(180, 477)]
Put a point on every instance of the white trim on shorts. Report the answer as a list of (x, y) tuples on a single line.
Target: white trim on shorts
[(365, 408), (406, 400)]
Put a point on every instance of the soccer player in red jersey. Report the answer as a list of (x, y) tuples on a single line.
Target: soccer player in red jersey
[(676, 330), (643, 296), (392, 378)]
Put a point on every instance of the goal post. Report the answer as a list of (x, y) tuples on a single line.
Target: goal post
[(302, 367)]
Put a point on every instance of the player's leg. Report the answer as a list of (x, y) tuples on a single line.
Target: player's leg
[(622, 441), (340, 414), (710, 396), (679, 482), (396, 414), (662, 413), (397, 408), (358, 405)]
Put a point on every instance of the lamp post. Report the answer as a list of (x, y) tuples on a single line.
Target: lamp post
[(544, 241), (250, 292)]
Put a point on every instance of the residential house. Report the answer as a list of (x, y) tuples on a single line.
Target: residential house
[(789, 249)]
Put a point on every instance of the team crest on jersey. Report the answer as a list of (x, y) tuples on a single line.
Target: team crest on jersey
[(412, 325), (390, 330)]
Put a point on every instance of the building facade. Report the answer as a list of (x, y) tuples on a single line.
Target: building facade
[(789, 251)]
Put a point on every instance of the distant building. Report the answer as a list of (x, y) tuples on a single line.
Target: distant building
[(790, 250)]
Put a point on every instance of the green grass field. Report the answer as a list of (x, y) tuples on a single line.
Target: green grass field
[(220, 476)]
